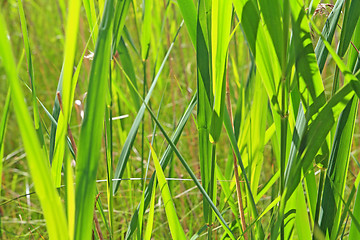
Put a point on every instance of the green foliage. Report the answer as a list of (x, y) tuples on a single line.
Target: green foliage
[(285, 166)]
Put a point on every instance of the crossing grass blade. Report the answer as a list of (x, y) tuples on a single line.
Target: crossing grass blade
[(328, 32), (176, 229), (92, 128), (337, 169), (252, 207), (49, 199), (192, 175), (163, 162), (125, 152)]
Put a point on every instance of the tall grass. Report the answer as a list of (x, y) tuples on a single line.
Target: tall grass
[(271, 151)]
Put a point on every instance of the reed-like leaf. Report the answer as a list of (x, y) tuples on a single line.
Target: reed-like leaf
[(176, 229), (92, 128), (49, 199)]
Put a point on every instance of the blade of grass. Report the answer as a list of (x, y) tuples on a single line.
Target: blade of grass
[(3, 124), (31, 76), (176, 229), (125, 152), (354, 232), (66, 94), (192, 175), (163, 162), (40, 172), (92, 127)]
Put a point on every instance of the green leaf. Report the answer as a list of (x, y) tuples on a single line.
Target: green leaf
[(39, 168), (92, 128), (175, 227), (125, 152), (67, 94)]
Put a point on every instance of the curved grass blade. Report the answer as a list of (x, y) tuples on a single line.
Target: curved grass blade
[(125, 152), (92, 127), (163, 162), (337, 169), (192, 175), (49, 199), (253, 209), (176, 229)]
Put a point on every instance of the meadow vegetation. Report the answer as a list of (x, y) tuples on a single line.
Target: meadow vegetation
[(160, 119)]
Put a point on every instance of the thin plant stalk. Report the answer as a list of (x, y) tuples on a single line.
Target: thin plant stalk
[(236, 172)]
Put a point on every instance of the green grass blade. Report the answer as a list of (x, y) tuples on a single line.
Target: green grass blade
[(125, 152), (3, 124), (66, 94), (146, 29), (354, 230), (128, 66), (150, 221), (163, 162), (121, 11), (220, 37), (253, 209), (192, 175), (337, 169), (92, 127), (31, 75), (176, 229), (204, 96), (188, 12), (328, 32), (37, 162), (89, 6)]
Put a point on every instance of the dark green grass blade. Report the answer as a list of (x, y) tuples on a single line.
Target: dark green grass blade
[(122, 8), (337, 169), (92, 127), (328, 32), (125, 152), (204, 96), (192, 175), (163, 162)]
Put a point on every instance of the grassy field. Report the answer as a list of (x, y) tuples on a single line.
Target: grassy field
[(157, 119)]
